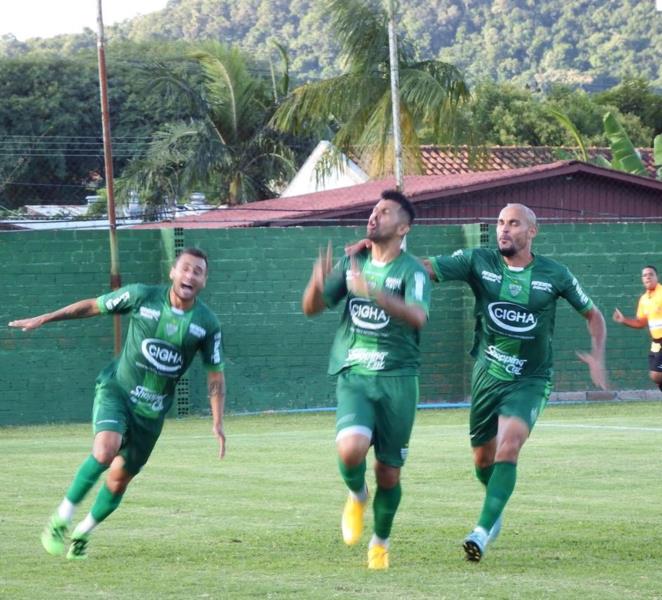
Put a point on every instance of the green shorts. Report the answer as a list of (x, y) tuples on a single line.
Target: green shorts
[(380, 407), (111, 412), (490, 397)]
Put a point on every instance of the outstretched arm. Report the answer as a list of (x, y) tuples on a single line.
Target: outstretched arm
[(78, 310), (636, 323), (216, 391), (596, 358)]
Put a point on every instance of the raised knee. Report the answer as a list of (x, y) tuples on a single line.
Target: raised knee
[(351, 457)]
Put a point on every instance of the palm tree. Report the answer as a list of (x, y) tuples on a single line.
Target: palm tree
[(223, 146), (356, 105)]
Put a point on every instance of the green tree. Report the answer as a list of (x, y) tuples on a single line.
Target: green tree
[(223, 146), (355, 107)]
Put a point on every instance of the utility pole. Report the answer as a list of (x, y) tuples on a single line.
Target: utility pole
[(115, 279), (395, 95)]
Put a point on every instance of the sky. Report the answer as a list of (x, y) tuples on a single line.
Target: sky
[(46, 18)]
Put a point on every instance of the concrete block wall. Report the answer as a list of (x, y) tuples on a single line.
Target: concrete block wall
[(276, 358)]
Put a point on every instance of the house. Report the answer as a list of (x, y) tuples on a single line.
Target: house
[(452, 160), (563, 191)]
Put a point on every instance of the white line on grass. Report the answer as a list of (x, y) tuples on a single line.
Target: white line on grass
[(608, 427)]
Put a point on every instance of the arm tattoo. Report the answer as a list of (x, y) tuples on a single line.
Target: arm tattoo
[(78, 310)]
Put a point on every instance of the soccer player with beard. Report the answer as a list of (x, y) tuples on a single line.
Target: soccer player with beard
[(516, 293), (376, 358), (168, 325)]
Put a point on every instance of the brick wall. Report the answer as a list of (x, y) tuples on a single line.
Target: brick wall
[(276, 358)]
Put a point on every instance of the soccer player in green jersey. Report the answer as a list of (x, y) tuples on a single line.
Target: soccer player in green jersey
[(376, 358), (516, 293), (168, 325)]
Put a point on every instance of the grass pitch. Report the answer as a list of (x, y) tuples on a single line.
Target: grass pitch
[(584, 521)]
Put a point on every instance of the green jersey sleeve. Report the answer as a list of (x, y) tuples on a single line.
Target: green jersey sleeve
[(122, 300), (418, 289), (572, 291), (211, 350), (454, 267)]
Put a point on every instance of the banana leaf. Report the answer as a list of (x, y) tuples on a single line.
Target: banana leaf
[(601, 161), (657, 155), (563, 119), (624, 156)]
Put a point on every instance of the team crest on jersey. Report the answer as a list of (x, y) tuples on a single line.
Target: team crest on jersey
[(514, 288), (171, 328)]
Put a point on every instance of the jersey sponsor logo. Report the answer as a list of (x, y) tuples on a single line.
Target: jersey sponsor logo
[(393, 283), (197, 331), (491, 277), (216, 352), (113, 303), (142, 395), (511, 364), (580, 292), (419, 285), (366, 315), (162, 355), (542, 286), (370, 359), (150, 313), (512, 317)]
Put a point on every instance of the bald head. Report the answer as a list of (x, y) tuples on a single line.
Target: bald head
[(527, 214)]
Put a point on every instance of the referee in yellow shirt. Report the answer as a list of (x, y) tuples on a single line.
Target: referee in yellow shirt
[(649, 314)]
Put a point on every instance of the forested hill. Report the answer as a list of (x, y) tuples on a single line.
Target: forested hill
[(588, 42)]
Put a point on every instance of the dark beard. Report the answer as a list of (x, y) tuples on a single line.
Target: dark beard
[(508, 252)]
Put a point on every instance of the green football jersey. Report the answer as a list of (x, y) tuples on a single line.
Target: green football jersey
[(160, 344), (515, 308), (369, 340)]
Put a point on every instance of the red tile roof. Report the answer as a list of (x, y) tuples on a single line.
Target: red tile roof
[(449, 160), (332, 204)]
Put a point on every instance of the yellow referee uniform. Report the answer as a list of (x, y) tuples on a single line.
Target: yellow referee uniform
[(650, 308)]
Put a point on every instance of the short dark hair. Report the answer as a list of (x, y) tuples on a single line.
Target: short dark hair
[(402, 200), (195, 252), (650, 267)]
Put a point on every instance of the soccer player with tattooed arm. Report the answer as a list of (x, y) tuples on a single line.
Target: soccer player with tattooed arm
[(168, 326)]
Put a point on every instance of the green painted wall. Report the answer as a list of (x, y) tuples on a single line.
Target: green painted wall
[(276, 358)]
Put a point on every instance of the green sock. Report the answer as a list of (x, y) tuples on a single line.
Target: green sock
[(484, 474), (86, 476), (499, 489), (354, 477), (384, 507), (105, 503)]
